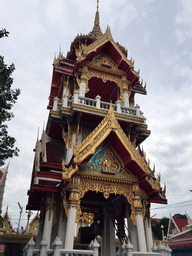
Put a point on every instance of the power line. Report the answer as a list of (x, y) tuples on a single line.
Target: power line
[(172, 205)]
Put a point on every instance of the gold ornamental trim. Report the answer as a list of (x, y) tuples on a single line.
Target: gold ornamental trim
[(106, 77), (112, 71), (68, 172), (107, 37), (108, 188), (93, 176), (107, 125)]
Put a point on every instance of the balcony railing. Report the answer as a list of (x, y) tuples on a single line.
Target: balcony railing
[(97, 103)]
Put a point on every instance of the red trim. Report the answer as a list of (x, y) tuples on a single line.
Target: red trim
[(49, 175), (44, 188), (51, 165)]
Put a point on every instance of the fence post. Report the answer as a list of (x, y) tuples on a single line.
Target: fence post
[(43, 246), (129, 248), (57, 244), (31, 246), (161, 249), (95, 247), (169, 250), (90, 246), (154, 248)]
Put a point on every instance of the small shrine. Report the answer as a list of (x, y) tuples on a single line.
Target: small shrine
[(90, 176)]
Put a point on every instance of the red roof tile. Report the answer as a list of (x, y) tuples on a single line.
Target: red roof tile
[(181, 223)]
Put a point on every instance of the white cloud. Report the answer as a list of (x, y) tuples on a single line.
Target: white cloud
[(180, 36), (54, 10), (185, 17), (184, 20)]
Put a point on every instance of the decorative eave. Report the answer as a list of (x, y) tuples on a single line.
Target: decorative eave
[(107, 37), (109, 125), (85, 52)]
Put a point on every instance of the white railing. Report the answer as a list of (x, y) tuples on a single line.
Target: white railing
[(65, 252), (146, 254), (97, 103), (57, 250), (93, 250)]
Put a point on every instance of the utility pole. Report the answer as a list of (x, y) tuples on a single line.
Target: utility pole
[(21, 211), (28, 217)]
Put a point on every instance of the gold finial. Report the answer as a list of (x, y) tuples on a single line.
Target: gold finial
[(97, 15), (96, 32)]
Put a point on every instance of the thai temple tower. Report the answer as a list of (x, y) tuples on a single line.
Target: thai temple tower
[(88, 163)]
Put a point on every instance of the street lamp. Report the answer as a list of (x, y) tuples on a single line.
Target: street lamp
[(162, 231)]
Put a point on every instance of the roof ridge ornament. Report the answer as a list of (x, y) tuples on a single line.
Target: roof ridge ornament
[(96, 31), (97, 14), (108, 32)]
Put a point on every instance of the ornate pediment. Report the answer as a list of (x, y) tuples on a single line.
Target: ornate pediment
[(104, 60), (106, 162)]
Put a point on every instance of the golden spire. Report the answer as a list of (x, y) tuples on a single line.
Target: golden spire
[(96, 32), (97, 14)]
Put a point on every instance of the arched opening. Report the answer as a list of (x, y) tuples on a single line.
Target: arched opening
[(109, 91), (110, 217)]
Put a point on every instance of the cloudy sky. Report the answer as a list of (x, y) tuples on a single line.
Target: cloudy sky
[(158, 36)]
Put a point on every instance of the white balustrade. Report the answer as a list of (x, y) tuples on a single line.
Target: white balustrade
[(97, 103)]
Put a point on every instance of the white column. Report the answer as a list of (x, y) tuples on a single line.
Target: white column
[(98, 101), (126, 99), (55, 103), (132, 229), (137, 110), (70, 231), (65, 101), (141, 233), (148, 233), (40, 233), (118, 104), (48, 226), (82, 89), (48, 221), (108, 237), (75, 97), (62, 226)]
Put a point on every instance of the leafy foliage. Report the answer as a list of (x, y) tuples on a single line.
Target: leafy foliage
[(3, 32), (180, 216), (156, 227), (8, 97)]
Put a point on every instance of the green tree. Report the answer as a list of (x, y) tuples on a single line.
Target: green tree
[(180, 216), (3, 32), (8, 97), (156, 227)]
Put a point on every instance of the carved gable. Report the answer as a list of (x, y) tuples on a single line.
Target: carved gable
[(104, 60), (106, 162)]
